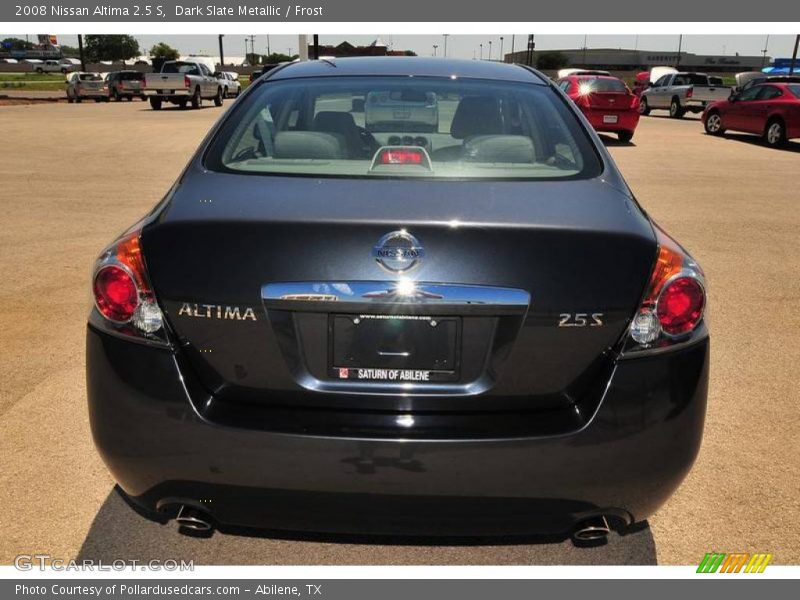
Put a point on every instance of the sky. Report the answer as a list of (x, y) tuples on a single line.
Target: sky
[(468, 46)]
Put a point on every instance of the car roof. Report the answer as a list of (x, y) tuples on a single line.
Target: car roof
[(399, 66)]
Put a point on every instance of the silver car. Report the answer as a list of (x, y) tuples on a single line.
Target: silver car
[(231, 86), (82, 85)]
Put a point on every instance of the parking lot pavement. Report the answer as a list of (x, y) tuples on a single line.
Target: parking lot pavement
[(76, 175)]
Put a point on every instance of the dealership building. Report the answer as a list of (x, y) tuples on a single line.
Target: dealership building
[(619, 59)]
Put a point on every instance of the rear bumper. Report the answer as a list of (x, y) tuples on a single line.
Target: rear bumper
[(626, 121), (626, 462), (177, 93)]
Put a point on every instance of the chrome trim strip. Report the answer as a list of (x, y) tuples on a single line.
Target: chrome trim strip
[(395, 296)]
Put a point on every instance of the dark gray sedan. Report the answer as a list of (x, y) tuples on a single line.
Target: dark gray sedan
[(399, 295)]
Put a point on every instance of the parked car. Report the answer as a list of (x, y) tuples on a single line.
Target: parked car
[(183, 82), (82, 85), (681, 92), (749, 79), (125, 84), (771, 110), (323, 327), (55, 66), (231, 87), (607, 102)]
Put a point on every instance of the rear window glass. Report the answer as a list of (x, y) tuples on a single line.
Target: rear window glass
[(404, 127), (90, 77), (180, 67), (602, 85), (795, 89), (690, 79), (131, 76)]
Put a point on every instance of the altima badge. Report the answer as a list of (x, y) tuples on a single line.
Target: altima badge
[(398, 251)]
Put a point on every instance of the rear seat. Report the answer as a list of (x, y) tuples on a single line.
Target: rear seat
[(309, 144)]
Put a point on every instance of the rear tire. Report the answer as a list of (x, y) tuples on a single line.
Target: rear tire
[(713, 124), (197, 100), (219, 98), (78, 99), (155, 103), (675, 110), (625, 136), (115, 95), (644, 107), (775, 133)]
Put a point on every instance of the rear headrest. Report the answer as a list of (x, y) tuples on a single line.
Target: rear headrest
[(476, 115), (330, 120), (309, 144), (499, 149)]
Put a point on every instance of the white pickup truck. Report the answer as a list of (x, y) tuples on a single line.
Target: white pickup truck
[(183, 82), (682, 92)]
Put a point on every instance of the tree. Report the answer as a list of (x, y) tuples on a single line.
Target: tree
[(164, 51), (13, 43), (110, 47), (69, 52), (277, 57), (551, 61)]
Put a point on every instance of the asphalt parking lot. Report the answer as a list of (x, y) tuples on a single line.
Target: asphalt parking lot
[(74, 176)]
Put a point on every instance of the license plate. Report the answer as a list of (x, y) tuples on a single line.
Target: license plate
[(394, 348), (610, 119), (166, 92)]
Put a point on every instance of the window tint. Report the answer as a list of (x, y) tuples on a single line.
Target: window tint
[(602, 85), (769, 92), (180, 67), (662, 81), (751, 93), (690, 79), (795, 89), (404, 127)]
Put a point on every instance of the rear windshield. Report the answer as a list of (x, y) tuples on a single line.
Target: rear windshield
[(795, 89), (90, 77), (602, 85), (690, 79), (404, 127), (180, 67), (131, 76)]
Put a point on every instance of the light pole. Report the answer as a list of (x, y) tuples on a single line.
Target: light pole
[(501, 49), (444, 50), (490, 49), (481, 51), (221, 53), (764, 51), (585, 39), (435, 46), (680, 45), (794, 55)]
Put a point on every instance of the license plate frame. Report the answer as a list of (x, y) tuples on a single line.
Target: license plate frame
[(394, 348), (610, 119)]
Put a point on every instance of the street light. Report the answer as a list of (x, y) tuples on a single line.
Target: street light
[(481, 51), (501, 48), (490, 49), (435, 46), (444, 51)]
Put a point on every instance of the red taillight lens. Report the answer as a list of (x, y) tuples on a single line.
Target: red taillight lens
[(402, 157), (680, 305), (122, 292), (115, 293), (689, 93), (187, 83), (675, 299)]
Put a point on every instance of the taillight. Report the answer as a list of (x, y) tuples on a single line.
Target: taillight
[(689, 92), (675, 300), (186, 81), (635, 102), (122, 292), (401, 157)]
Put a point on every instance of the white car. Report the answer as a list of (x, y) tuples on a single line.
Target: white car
[(231, 85), (55, 66)]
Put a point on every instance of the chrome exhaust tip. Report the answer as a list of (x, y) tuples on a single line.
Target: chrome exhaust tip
[(194, 520), (592, 531)]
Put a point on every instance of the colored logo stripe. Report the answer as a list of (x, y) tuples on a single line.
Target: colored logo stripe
[(733, 563)]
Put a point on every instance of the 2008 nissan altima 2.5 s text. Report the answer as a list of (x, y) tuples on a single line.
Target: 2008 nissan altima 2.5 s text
[(399, 296)]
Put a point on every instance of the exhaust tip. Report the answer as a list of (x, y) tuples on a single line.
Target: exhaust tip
[(193, 520), (591, 532)]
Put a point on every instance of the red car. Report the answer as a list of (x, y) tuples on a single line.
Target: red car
[(606, 101), (771, 110)]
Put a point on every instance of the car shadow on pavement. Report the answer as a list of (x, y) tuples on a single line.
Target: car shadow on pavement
[(755, 140), (614, 142), (119, 532)]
